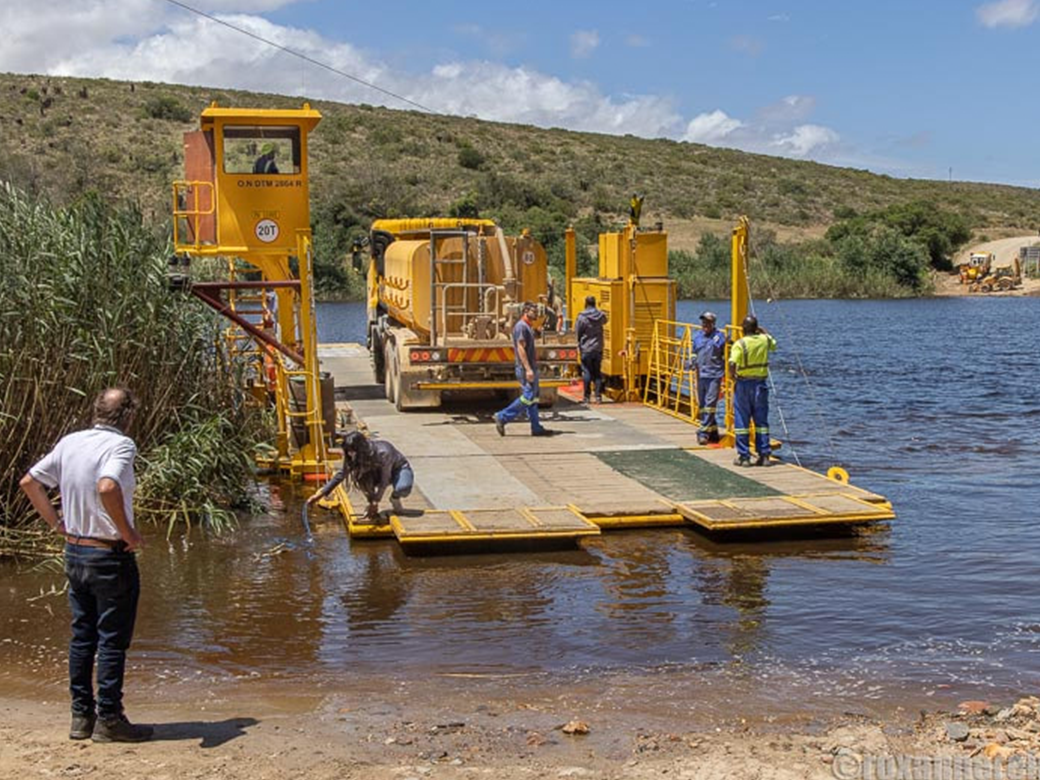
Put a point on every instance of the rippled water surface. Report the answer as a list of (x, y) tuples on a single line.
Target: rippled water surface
[(932, 403)]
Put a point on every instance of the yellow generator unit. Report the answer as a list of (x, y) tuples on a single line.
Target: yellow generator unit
[(635, 291)]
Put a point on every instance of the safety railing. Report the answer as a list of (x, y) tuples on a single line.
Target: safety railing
[(189, 211), (671, 385)]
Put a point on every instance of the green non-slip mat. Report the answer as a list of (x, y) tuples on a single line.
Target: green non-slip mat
[(680, 476)]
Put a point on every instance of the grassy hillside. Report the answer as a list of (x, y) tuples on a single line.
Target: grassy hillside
[(64, 136)]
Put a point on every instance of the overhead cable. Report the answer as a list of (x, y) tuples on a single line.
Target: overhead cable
[(302, 56)]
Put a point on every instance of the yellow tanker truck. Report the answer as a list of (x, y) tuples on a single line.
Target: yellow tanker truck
[(443, 296)]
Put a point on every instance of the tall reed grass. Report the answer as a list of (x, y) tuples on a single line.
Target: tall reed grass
[(83, 305)]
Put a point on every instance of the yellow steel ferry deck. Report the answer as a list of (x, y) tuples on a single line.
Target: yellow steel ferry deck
[(615, 465)]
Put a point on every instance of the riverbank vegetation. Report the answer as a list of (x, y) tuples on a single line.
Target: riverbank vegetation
[(887, 253), (64, 137), (84, 304)]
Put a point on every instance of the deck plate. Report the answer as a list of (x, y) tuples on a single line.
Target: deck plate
[(784, 511), (520, 523)]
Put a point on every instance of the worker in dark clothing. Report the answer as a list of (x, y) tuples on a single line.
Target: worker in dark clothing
[(371, 467), (749, 361), (526, 356), (589, 329), (709, 358), (265, 162)]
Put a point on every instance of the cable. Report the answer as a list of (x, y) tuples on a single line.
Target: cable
[(817, 408), (302, 56), (769, 374)]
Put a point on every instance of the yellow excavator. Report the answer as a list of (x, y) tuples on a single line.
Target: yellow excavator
[(1005, 278), (977, 267)]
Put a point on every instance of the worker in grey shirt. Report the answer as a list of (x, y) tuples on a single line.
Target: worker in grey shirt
[(372, 466), (93, 470), (588, 327)]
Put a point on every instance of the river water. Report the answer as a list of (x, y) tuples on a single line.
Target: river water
[(932, 403)]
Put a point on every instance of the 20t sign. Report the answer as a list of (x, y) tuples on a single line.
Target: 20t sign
[(266, 230)]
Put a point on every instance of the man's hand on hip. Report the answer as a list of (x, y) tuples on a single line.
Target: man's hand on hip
[(134, 540)]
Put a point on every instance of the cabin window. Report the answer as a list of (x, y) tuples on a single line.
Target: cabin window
[(262, 149)]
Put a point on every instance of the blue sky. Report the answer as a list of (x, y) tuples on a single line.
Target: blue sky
[(911, 89)]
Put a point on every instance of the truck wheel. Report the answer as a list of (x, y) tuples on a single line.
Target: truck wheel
[(393, 377), (398, 398), (390, 368), (375, 348)]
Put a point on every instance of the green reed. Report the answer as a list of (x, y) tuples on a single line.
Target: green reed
[(84, 304)]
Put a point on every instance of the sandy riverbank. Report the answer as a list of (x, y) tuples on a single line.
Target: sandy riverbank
[(405, 734)]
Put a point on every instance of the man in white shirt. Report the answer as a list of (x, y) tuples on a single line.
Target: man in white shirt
[(94, 472)]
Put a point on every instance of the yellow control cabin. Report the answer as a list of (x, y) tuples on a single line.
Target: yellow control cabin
[(245, 198)]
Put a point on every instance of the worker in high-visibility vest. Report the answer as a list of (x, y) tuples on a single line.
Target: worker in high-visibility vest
[(749, 365)]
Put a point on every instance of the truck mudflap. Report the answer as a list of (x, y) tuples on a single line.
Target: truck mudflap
[(412, 395)]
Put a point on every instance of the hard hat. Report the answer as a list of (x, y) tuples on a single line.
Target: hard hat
[(267, 148), (750, 324), (708, 316)]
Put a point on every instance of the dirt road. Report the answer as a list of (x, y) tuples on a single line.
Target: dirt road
[(1006, 250)]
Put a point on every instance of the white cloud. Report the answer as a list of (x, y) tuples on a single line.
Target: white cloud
[(637, 41), (789, 110), (777, 129), (493, 91), (711, 128), (1007, 13), (804, 140), (583, 43)]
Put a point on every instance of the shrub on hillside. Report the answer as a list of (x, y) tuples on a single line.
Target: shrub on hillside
[(885, 250), (168, 108), (471, 158), (939, 232)]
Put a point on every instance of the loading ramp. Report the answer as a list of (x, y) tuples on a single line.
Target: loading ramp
[(610, 466)]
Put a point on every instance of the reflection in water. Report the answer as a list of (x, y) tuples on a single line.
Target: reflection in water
[(735, 575), (379, 592), (739, 583)]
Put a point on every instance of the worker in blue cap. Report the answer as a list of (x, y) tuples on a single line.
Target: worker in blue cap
[(709, 358)]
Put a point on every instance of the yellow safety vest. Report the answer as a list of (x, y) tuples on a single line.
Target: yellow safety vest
[(751, 355)]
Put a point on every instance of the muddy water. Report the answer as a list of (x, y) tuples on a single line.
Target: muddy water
[(927, 402)]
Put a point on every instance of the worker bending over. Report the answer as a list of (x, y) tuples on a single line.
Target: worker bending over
[(371, 467), (749, 363)]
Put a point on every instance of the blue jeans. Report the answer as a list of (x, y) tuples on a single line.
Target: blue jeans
[(708, 403), (751, 405), (527, 402), (104, 586), (403, 478), (591, 374)]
